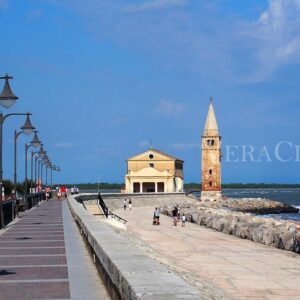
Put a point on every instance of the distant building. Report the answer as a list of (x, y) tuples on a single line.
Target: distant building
[(211, 158), (154, 171)]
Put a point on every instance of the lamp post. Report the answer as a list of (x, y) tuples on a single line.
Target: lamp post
[(39, 170), (33, 153), (15, 161), (26, 129), (36, 178), (54, 168), (34, 143), (48, 165), (41, 153), (51, 170), (7, 99), (44, 161)]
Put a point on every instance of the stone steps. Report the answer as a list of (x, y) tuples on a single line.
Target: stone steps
[(93, 208)]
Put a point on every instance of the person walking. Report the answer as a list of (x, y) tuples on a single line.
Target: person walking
[(47, 191), (183, 218), (58, 193), (125, 203), (130, 204), (178, 212), (174, 215), (157, 215)]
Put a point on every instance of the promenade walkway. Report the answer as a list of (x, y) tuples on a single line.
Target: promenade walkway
[(220, 265), (43, 256)]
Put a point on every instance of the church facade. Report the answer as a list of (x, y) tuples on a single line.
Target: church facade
[(211, 158), (154, 171)]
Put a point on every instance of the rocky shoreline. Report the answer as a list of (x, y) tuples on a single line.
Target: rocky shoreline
[(258, 206), (235, 217)]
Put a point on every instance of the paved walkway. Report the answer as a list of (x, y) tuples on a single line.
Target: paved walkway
[(43, 256), (239, 269)]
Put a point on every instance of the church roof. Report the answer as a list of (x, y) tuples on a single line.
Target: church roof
[(211, 126), (151, 150)]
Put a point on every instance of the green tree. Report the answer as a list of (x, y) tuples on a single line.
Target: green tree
[(8, 187)]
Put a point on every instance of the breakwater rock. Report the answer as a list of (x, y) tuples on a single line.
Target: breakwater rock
[(277, 233), (258, 206)]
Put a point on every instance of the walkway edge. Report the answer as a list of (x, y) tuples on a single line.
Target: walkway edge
[(132, 274)]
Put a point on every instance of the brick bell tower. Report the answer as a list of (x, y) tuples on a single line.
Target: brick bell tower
[(211, 158)]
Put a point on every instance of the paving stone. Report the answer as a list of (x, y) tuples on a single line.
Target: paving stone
[(34, 290)]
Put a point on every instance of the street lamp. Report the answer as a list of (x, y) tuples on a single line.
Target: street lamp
[(7, 99), (40, 154), (54, 168), (44, 161), (35, 172), (48, 165), (40, 159), (34, 143), (26, 129), (33, 153)]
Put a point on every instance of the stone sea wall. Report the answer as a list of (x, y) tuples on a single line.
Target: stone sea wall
[(272, 232), (128, 272)]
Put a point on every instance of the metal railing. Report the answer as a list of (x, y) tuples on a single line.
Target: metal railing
[(106, 212), (11, 206), (8, 211), (34, 199)]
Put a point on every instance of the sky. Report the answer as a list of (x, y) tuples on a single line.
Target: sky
[(105, 79)]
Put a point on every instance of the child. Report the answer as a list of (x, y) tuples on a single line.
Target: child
[(183, 220)]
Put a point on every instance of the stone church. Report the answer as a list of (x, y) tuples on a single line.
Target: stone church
[(154, 171)]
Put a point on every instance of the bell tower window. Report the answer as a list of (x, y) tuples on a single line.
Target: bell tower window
[(210, 171), (210, 183), (210, 142)]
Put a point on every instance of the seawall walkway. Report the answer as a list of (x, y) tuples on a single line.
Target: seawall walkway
[(43, 256), (220, 265)]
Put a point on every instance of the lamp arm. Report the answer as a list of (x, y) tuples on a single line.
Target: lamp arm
[(3, 118)]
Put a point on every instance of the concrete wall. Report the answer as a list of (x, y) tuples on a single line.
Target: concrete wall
[(115, 201), (129, 273)]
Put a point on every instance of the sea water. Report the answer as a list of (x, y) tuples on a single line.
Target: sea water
[(287, 196)]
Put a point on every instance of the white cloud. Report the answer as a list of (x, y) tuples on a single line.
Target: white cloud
[(169, 108), (276, 35), (185, 146), (155, 4), (197, 36)]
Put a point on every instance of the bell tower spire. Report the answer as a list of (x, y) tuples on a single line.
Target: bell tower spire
[(211, 158)]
